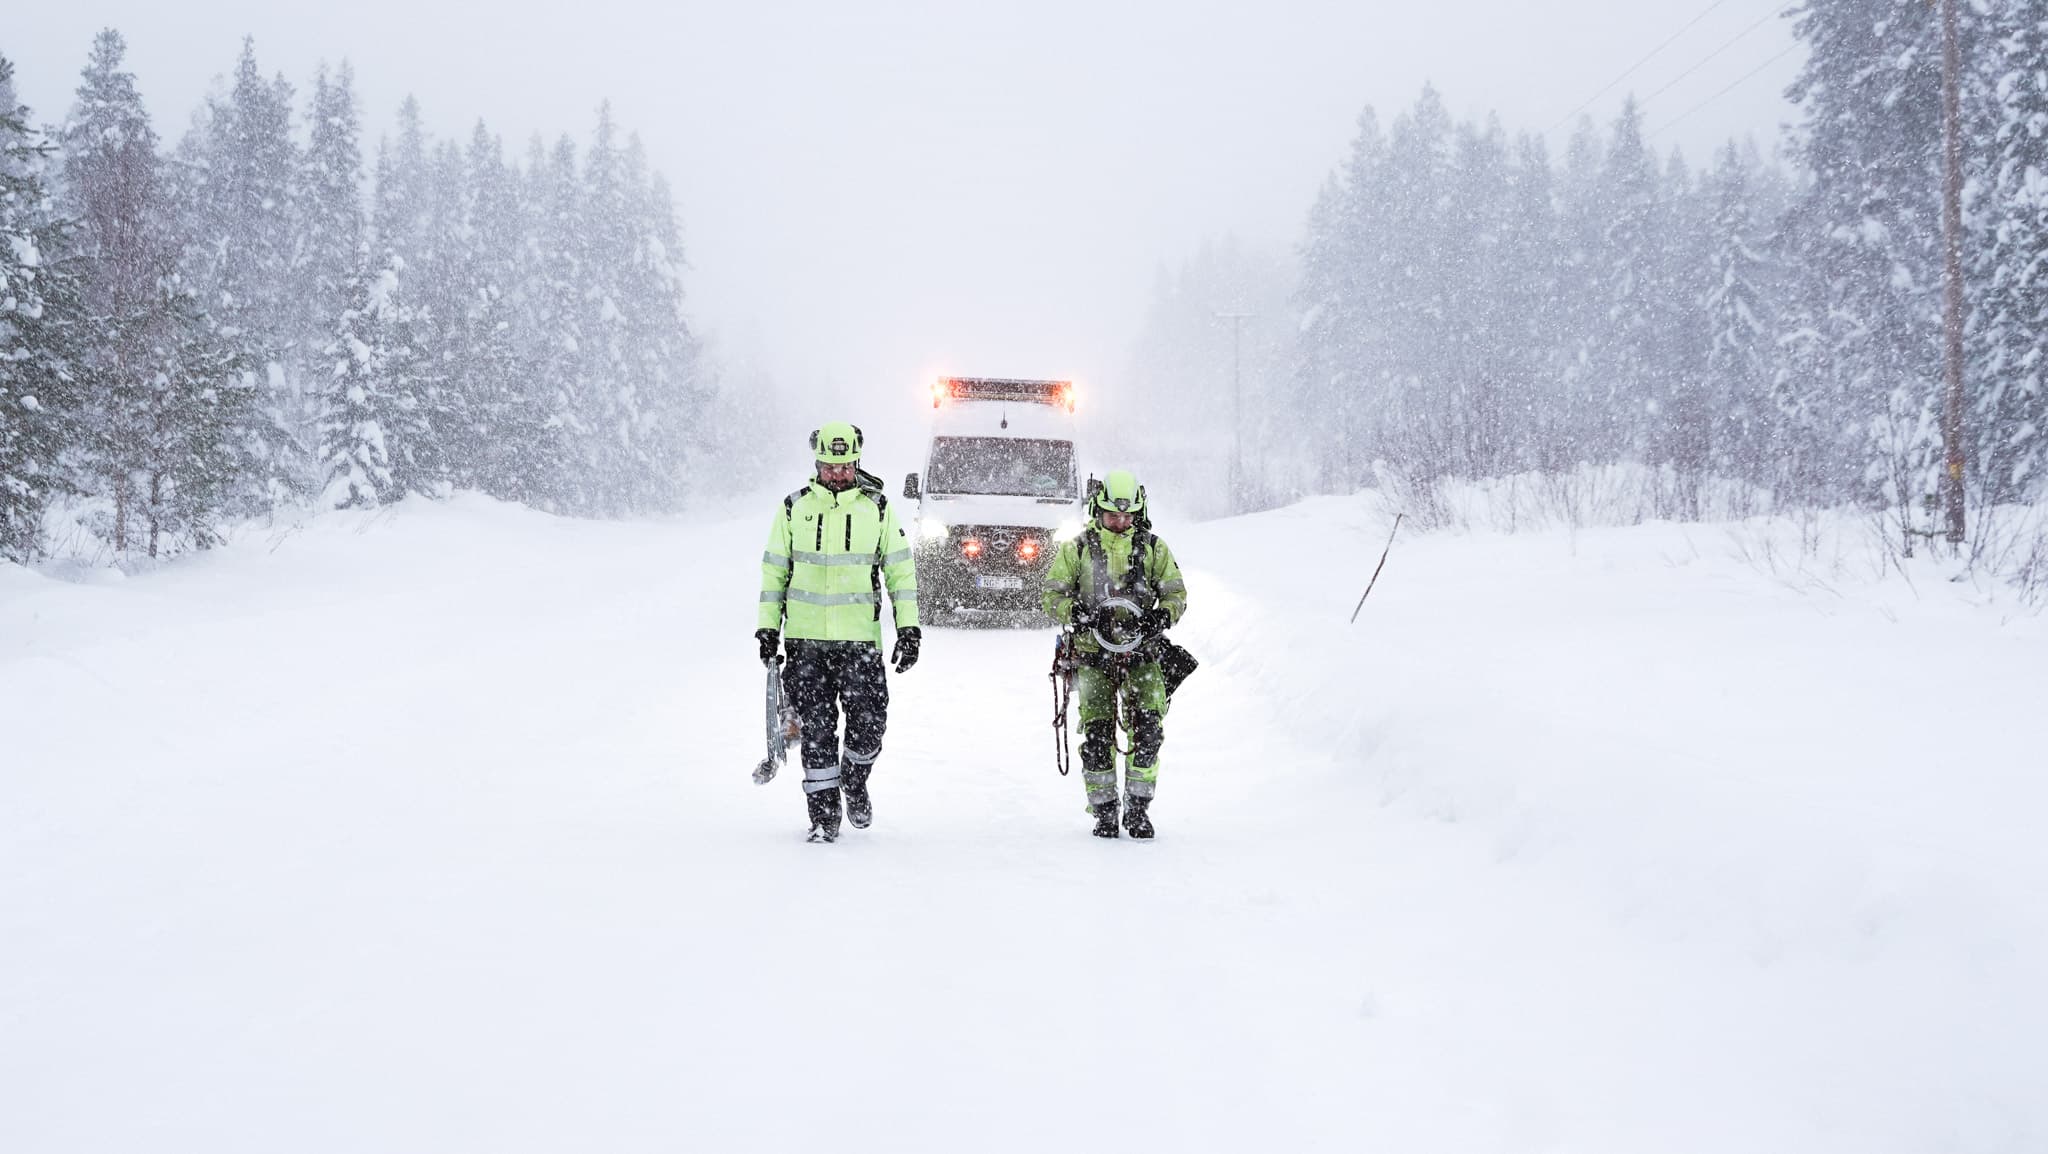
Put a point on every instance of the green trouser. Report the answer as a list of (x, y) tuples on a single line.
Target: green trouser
[(1144, 700)]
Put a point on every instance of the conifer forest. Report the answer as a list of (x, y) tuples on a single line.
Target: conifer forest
[(208, 329), (284, 306)]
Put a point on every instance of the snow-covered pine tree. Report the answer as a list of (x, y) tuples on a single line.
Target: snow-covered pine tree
[(437, 316), (613, 412), (1581, 303), (355, 406), (112, 187), (178, 435), (1339, 338), (329, 236), (2009, 339), (1683, 413), (205, 431), (1737, 306), (1480, 385), (398, 218), (1530, 271), (512, 452), (416, 225), (1407, 389), (409, 373), (557, 277), (235, 188), (39, 332), (372, 426), (1315, 369), (1626, 353), (663, 364), (239, 215)]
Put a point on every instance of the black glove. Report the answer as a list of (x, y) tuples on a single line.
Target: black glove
[(1155, 621), (769, 639), (905, 653), (1083, 618)]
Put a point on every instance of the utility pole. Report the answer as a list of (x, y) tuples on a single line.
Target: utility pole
[(1236, 408), (1952, 238)]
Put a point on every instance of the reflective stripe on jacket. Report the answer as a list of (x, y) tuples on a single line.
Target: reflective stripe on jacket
[(818, 578)]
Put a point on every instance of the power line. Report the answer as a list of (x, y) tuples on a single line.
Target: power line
[(1647, 57), (1766, 18), (1739, 82)]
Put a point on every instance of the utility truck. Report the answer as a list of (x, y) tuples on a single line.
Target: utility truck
[(999, 491)]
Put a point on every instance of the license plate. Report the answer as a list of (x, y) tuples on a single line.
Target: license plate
[(999, 583)]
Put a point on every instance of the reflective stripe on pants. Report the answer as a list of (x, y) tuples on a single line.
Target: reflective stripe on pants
[(824, 676), (1144, 698)]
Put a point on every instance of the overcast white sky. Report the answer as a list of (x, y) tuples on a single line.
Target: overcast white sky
[(874, 192)]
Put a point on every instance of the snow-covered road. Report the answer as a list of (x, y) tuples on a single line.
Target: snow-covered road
[(435, 833)]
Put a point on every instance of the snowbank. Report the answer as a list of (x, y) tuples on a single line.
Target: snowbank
[(431, 829), (1816, 782)]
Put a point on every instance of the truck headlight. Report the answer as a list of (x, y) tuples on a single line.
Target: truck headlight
[(931, 529), (1069, 529)]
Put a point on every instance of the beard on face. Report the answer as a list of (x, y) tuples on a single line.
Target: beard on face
[(838, 484)]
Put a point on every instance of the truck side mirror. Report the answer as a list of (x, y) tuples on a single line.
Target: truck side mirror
[(910, 487)]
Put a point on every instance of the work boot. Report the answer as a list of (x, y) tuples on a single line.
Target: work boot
[(859, 810), (1136, 823), (1105, 819), (824, 815)]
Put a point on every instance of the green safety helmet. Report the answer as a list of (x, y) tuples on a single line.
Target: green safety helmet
[(1120, 493), (837, 443)]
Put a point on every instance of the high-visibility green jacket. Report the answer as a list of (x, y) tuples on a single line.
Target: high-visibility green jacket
[(1096, 566), (830, 557)]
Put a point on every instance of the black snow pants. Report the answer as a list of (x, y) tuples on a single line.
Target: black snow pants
[(820, 677)]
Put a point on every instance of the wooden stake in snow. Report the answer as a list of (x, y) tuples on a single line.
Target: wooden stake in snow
[(1376, 569)]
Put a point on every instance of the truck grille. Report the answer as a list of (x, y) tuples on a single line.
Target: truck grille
[(1000, 548)]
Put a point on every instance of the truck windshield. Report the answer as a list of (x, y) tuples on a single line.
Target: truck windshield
[(1011, 467)]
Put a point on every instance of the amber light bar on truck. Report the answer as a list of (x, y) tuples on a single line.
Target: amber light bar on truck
[(1003, 389)]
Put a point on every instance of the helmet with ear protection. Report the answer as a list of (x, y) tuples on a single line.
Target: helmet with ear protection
[(1119, 492), (837, 443)]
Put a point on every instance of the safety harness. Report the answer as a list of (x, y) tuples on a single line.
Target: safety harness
[(1135, 587), (1175, 663)]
